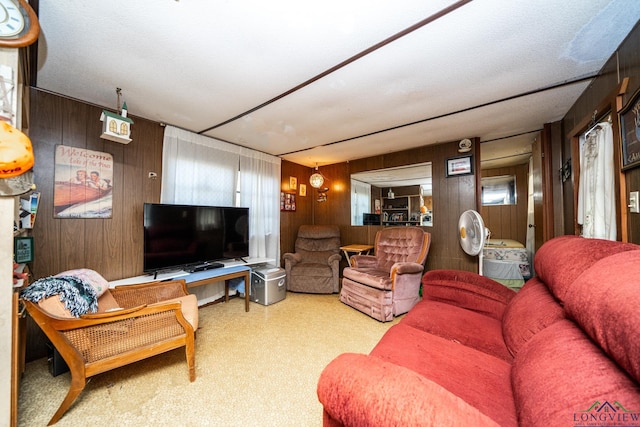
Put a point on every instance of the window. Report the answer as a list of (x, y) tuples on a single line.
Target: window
[(360, 201), (499, 190)]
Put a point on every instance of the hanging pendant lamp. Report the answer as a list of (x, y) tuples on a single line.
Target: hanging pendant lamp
[(316, 180)]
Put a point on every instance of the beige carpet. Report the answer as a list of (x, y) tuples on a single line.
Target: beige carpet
[(252, 369)]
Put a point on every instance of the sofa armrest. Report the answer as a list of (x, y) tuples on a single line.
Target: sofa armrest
[(364, 261), (356, 389), (467, 290)]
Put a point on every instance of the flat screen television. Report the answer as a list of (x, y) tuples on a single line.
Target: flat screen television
[(370, 219), (188, 237)]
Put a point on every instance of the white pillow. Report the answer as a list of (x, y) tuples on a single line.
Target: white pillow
[(99, 283)]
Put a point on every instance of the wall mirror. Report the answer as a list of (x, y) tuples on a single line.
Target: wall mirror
[(393, 196), (499, 190)]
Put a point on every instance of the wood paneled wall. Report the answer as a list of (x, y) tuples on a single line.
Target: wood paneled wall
[(510, 221), (111, 246), (291, 221), (624, 63), (451, 197)]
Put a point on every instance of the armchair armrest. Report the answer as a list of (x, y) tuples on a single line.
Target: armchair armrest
[(406, 268), (467, 290), (292, 258), (364, 261), (109, 314), (356, 389), (335, 258)]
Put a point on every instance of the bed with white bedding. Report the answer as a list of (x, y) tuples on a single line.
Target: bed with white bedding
[(506, 261)]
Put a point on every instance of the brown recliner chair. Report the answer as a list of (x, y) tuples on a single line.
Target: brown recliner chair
[(387, 284), (315, 265)]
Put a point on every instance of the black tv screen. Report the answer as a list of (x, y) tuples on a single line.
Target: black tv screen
[(181, 236)]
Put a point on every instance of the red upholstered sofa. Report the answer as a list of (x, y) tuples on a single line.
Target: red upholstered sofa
[(564, 351)]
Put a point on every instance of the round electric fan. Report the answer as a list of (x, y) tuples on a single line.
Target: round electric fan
[(472, 234)]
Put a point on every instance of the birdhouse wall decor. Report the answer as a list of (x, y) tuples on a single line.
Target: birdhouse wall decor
[(116, 127)]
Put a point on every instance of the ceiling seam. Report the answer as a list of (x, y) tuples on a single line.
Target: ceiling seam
[(464, 110), (348, 61), (511, 136)]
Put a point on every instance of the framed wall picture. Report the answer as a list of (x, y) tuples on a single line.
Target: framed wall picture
[(23, 249), (303, 190), (287, 202), (83, 183), (459, 166), (630, 133), (293, 183)]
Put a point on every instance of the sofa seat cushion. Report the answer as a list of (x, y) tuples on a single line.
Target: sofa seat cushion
[(373, 277), (467, 327), (483, 381), (561, 378), (529, 312), (609, 310)]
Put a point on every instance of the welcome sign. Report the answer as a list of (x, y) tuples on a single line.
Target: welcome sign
[(83, 183)]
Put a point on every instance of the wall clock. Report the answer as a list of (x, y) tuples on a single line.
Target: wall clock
[(19, 26)]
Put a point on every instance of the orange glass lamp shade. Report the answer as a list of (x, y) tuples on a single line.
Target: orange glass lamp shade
[(16, 152)]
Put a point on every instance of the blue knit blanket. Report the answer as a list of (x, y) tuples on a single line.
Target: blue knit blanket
[(78, 296)]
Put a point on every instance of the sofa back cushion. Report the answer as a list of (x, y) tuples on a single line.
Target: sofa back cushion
[(530, 311), (561, 260), (467, 290), (562, 378), (605, 302)]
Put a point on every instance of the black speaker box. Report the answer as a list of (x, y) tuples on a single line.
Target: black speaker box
[(57, 365)]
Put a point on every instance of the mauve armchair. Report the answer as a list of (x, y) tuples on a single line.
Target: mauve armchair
[(315, 265), (387, 284)]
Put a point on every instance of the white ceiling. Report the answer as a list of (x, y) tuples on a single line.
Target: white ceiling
[(304, 81)]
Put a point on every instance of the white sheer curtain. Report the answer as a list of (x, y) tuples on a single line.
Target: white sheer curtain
[(199, 170), (360, 201), (596, 191), (260, 190)]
